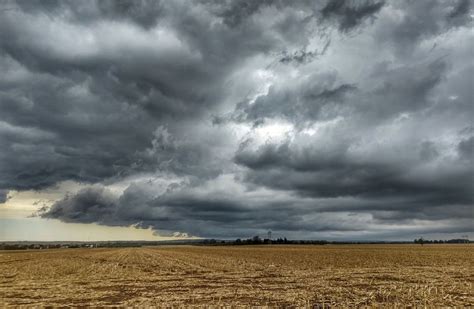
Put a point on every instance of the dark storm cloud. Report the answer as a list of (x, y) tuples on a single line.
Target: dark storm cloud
[(329, 116), (299, 57), (420, 184), (183, 208), (95, 94), (210, 212), (94, 204), (323, 96), (404, 180), (3, 196), (52, 139), (466, 148), (192, 155), (239, 10), (410, 177), (428, 151), (460, 10), (144, 13), (422, 20), (333, 171), (315, 98), (350, 14), (303, 56)]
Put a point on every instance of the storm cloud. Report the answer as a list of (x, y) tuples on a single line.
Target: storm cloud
[(331, 119), (3, 196)]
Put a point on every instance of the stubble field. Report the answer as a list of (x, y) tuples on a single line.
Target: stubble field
[(335, 276)]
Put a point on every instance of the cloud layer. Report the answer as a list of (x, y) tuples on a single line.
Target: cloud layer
[(335, 119)]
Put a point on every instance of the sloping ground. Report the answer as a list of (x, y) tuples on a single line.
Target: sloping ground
[(437, 275)]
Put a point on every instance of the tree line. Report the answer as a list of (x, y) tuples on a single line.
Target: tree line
[(422, 241)]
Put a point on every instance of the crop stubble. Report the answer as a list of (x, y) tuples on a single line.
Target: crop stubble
[(342, 275)]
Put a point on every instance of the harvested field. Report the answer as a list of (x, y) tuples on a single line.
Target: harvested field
[(339, 276)]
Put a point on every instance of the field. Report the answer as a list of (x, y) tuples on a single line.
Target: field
[(331, 275)]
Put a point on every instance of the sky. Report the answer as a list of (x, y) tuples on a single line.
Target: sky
[(337, 120)]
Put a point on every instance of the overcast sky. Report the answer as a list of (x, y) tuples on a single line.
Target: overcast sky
[(313, 119)]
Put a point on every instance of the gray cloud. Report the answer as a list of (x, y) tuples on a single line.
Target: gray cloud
[(422, 20), (350, 14), (201, 210), (94, 204), (466, 148), (460, 10), (239, 10), (428, 151), (3, 196), (99, 99), (337, 171), (228, 118), (303, 56), (315, 98)]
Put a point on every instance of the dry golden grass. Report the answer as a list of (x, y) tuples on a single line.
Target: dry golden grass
[(336, 276)]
